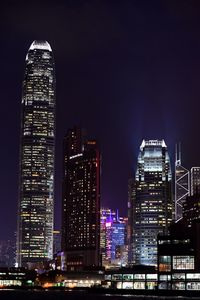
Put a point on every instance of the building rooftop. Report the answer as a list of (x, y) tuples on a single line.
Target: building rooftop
[(44, 45), (153, 143)]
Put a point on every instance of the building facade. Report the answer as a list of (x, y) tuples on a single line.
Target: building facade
[(36, 194), (191, 209), (107, 216), (56, 242), (178, 257), (7, 253), (81, 201), (195, 180), (113, 238), (182, 184), (131, 199), (151, 201)]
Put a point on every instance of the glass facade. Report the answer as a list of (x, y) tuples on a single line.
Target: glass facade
[(172, 281), (134, 281), (151, 202), (164, 263), (35, 216), (183, 262)]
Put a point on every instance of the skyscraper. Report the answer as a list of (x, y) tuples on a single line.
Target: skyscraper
[(113, 234), (36, 194), (81, 201), (195, 180), (182, 184), (107, 216), (151, 200), (191, 209), (131, 198)]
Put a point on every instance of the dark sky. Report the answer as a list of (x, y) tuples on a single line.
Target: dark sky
[(125, 70)]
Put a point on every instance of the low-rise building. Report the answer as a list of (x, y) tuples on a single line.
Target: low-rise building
[(179, 257), (17, 277)]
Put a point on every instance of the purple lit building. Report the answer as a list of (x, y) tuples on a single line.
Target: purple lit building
[(113, 235)]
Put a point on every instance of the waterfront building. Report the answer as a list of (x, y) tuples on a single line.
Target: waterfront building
[(179, 258), (36, 193), (136, 278), (150, 201), (81, 201), (143, 279), (195, 180), (182, 184), (17, 277)]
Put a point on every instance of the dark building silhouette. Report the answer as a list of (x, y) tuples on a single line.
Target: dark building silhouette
[(179, 250), (56, 241), (191, 208), (178, 254), (7, 253), (36, 194), (81, 201), (195, 180), (131, 199)]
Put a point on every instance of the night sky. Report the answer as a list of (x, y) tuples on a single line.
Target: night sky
[(125, 70)]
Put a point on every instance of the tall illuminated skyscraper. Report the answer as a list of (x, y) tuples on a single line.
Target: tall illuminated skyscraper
[(81, 201), (151, 201), (182, 184), (36, 195)]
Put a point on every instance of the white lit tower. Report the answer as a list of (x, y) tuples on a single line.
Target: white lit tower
[(182, 184), (36, 186), (150, 201)]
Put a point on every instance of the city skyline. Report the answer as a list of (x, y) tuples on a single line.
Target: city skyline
[(114, 74)]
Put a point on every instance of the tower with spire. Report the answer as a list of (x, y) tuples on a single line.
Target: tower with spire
[(36, 178)]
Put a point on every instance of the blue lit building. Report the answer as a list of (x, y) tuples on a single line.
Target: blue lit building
[(113, 235), (118, 237)]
